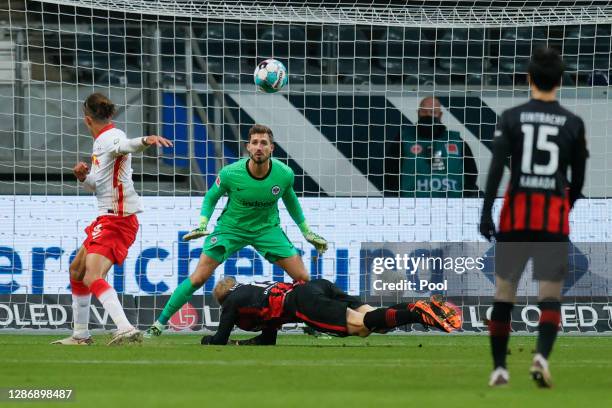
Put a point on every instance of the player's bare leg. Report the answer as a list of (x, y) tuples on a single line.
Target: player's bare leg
[(81, 302), (499, 329), (550, 316), (97, 267), (294, 266), (204, 270), (354, 323)]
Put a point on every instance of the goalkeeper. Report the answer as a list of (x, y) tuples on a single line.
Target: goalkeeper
[(253, 185)]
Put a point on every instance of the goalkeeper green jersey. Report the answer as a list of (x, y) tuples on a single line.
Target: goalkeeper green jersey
[(252, 203)]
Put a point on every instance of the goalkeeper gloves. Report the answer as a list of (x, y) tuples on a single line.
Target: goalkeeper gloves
[(316, 240), (198, 232)]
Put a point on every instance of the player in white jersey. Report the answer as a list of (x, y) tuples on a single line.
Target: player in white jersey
[(111, 234)]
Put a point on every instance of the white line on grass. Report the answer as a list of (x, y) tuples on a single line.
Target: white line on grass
[(321, 363)]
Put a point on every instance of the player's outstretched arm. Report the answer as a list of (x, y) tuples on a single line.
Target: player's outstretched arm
[(139, 144), (266, 338), (295, 211), (501, 150), (81, 172), (228, 319), (213, 195)]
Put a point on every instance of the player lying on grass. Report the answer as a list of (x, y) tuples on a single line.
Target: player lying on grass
[(320, 304), (253, 186)]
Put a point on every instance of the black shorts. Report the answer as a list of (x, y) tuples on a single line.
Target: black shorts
[(321, 305), (550, 260)]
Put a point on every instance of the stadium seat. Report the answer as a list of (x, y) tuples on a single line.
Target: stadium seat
[(220, 44), (288, 44), (455, 48), (349, 50)]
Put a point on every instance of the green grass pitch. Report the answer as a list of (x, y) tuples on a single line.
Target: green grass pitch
[(380, 371)]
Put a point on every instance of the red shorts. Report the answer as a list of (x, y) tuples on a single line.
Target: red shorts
[(111, 236)]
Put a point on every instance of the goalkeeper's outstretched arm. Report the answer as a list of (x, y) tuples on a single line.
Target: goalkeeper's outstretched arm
[(295, 211), (209, 202)]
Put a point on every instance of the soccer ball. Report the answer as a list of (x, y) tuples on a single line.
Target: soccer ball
[(270, 75)]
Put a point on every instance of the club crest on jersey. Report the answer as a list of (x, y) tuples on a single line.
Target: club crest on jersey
[(94, 160), (218, 181), (213, 240), (416, 148), (276, 190), (452, 148)]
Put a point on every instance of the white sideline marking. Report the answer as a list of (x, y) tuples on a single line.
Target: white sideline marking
[(321, 363), (303, 142)]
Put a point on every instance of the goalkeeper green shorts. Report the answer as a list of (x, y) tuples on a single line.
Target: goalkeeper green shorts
[(271, 243)]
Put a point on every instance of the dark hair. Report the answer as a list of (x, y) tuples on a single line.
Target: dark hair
[(546, 68), (99, 107), (256, 129)]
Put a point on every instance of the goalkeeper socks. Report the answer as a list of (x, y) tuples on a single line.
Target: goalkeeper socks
[(388, 318), (81, 301), (181, 295), (499, 332), (549, 326), (108, 297)]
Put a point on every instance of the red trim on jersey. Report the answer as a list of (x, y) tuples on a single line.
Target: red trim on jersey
[(323, 325), (390, 317), (505, 222), (258, 311), (554, 214), (104, 129), (536, 215), (520, 211), (550, 316), (116, 184), (499, 329), (566, 210)]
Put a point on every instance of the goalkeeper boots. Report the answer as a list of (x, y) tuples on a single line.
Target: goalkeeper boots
[(430, 318), (443, 308), (154, 331), (539, 372)]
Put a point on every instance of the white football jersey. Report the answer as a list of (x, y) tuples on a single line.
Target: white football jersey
[(110, 176)]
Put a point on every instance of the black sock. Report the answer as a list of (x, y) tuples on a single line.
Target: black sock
[(549, 325), (388, 318), (402, 306), (499, 332)]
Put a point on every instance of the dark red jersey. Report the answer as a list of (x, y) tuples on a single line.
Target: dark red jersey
[(543, 141), (253, 307)]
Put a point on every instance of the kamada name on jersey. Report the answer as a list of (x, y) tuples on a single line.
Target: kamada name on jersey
[(545, 183)]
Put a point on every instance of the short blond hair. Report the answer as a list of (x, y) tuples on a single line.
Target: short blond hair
[(222, 288)]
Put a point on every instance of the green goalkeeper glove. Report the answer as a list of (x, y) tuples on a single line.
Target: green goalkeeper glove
[(198, 232), (316, 240)]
